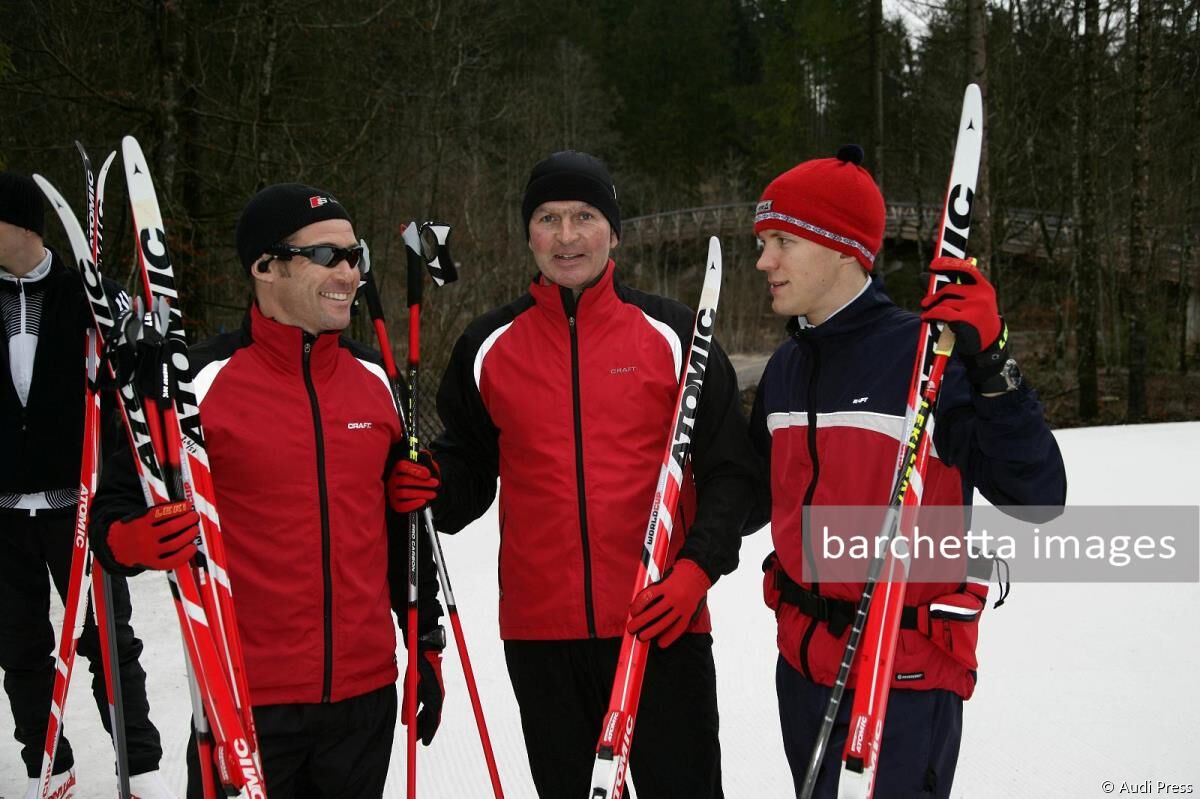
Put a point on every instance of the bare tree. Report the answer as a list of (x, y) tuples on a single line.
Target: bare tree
[(1087, 268), (1139, 234)]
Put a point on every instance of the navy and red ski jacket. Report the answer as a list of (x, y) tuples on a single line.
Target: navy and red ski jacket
[(829, 414), (300, 432), (569, 402)]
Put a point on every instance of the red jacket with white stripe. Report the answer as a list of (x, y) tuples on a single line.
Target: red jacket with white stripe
[(829, 413), (569, 403), (300, 432)]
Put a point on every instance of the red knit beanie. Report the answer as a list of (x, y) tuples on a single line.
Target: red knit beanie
[(832, 201)]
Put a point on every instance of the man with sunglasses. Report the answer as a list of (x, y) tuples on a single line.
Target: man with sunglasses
[(302, 433)]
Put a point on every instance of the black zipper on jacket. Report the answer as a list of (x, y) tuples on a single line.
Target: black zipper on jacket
[(326, 567), (811, 409), (583, 528)]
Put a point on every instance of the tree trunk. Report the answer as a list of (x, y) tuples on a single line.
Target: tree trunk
[(1139, 235), (1088, 266), (270, 38), (172, 49), (875, 153)]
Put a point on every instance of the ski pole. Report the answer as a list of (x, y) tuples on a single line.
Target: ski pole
[(446, 273), (443, 270)]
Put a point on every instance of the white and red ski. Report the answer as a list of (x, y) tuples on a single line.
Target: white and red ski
[(204, 600), (616, 734), (84, 574)]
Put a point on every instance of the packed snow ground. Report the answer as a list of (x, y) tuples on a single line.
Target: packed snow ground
[(1078, 684)]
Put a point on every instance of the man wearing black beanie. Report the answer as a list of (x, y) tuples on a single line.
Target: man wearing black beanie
[(302, 433), (43, 316), (566, 396)]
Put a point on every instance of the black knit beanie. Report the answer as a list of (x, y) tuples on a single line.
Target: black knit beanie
[(572, 175), (21, 202), (277, 212)]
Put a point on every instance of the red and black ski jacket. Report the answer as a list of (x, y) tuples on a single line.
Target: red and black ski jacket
[(300, 432), (829, 414), (569, 402)]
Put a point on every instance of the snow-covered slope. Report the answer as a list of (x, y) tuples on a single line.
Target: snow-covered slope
[(1078, 684)]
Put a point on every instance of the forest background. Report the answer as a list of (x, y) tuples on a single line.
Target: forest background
[(1086, 217)]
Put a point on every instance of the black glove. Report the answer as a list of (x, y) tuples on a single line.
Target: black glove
[(431, 693)]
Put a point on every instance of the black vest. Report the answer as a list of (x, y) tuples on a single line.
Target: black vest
[(41, 444)]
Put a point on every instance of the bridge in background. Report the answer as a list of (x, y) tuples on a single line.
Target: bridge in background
[(1024, 232)]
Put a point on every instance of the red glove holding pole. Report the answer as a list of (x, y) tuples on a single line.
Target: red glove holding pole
[(665, 610), (412, 486), (968, 304), (160, 537)]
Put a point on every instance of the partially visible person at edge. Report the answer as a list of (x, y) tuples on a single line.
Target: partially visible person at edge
[(829, 415), (302, 436), (45, 312), (566, 394)]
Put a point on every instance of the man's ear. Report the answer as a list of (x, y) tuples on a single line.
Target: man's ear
[(613, 240), (261, 270)]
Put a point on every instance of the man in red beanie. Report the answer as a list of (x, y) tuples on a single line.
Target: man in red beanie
[(566, 395), (829, 415), (302, 435)]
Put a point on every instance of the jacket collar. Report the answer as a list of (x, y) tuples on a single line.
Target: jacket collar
[(39, 272), (562, 302), (860, 312), (284, 344)]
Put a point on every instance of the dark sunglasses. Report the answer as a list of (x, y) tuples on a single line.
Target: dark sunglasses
[(323, 254)]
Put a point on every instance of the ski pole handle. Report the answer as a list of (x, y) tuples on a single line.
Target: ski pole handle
[(441, 266)]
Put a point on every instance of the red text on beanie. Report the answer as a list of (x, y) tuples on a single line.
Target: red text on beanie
[(831, 201)]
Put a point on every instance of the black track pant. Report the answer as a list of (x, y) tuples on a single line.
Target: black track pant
[(337, 750), (920, 738), (28, 545), (563, 689)]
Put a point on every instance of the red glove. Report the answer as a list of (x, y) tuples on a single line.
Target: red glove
[(665, 610), (967, 303), (412, 486), (431, 693), (161, 537)]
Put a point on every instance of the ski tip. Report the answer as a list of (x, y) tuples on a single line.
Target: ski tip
[(972, 110), (131, 153), (52, 194), (714, 253), (108, 162)]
